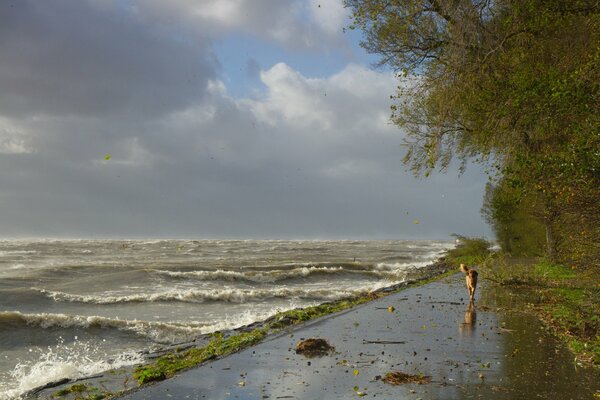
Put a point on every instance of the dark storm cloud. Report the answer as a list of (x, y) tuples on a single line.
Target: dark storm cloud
[(305, 157), (237, 168), (94, 58)]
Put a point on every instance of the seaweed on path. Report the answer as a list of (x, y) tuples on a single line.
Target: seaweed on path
[(400, 378), (314, 347)]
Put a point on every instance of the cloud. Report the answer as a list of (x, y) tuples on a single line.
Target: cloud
[(86, 58), (13, 140), (325, 104), (330, 15), (294, 24), (302, 157)]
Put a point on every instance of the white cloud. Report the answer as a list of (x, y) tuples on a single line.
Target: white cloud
[(292, 99), (330, 15), (325, 104), (13, 140), (295, 24)]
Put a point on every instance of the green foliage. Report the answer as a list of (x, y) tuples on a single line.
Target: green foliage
[(470, 251), (566, 299), (513, 85), (508, 211)]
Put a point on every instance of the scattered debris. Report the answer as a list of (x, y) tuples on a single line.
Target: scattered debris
[(314, 347), (382, 342), (400, 378)]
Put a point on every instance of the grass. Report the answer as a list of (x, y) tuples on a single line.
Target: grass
[(565, 299), (168, 365), (574, 315), (469, 251), (81, 392)]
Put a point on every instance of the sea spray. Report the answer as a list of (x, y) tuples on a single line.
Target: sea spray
[(76, 360)]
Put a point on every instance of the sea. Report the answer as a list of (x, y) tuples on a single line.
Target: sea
[(73, 308)]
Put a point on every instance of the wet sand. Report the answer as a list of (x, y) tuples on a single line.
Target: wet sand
[(467, 353)]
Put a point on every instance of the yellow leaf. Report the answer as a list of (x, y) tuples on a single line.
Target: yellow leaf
[(355, 372), (107, 157)]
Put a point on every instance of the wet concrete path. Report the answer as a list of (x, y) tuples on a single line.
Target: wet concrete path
[(469, 354)]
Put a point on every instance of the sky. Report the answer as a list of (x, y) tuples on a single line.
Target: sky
[(207, 119)]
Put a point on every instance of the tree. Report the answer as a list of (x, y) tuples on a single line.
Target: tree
[(512, 84)]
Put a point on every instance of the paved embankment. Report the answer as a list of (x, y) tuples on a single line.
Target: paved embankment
[(467, 354)]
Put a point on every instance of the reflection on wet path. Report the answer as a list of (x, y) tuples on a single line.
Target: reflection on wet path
[(469, 352), (467, 327)]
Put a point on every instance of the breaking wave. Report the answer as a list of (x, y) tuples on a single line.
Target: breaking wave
[(160, 332), (78, 360), (390, 271), (230, 295)]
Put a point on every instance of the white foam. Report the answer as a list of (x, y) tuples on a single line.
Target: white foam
[(161, 332), (254, 276), (75, 361), (400, 268), (381, 270), (16, 252), (248, 317), (232, 295)]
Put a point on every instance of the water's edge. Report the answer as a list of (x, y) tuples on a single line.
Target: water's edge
[(119, 381)]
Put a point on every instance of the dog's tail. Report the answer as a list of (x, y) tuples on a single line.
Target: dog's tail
[(468, 271)]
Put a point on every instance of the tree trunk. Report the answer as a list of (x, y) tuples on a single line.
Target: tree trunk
[(550, 239)]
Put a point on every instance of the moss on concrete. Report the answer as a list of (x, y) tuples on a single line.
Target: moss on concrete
[(168, 365), (80, 391)]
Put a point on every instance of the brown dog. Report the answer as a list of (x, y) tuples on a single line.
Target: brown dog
[(471, 277)]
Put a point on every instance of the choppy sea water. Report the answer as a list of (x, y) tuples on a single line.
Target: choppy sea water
[(78, 307)]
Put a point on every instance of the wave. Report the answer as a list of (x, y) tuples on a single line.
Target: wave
[(58, 363), (391, 271), (159, 332), (16, 252), (230, 295)]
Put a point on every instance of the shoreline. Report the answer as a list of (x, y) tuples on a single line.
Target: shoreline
[(120, 381), (432, 333)]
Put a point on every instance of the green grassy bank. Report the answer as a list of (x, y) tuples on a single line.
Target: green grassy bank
[(565, 298)]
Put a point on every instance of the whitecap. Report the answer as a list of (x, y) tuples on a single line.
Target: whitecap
[(160, 332)]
